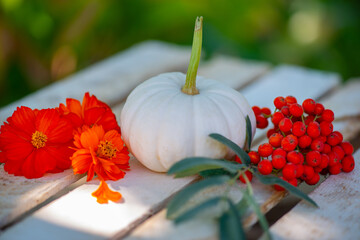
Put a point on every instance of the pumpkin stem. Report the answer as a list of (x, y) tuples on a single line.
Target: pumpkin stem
[(190, 83)]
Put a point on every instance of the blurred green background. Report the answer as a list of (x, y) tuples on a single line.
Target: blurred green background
[(42, 41)]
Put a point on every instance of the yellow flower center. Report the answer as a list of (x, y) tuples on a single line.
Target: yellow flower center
[(106, 149), (38, 139)]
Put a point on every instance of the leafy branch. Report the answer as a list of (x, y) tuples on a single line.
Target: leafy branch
[(220, 172)]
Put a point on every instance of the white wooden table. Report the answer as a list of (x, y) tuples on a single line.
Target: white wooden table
[(60, 206)]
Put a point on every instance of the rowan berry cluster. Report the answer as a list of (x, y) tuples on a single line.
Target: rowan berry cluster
[(302, 144)]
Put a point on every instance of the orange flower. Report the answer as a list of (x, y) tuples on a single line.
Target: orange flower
[(34, 142), (90, 112), (101, 153)]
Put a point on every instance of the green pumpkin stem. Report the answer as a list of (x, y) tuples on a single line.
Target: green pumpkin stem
[(190, 83)]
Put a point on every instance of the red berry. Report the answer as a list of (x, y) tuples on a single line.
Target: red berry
[(276, 118), (326, 128), (327, 115), (237, 159), (313, 129), (324, 161), (293, 182), (285, 110), (294, 157), (309, 106), (265, 150), (275, 139), (334, 138), (308, 119), (270, 132), (256, 110), (333, 158), (266, 111), (289, 142), (279, 102), (265, 167), (296, 110), (290, 100), (335, 169), (339, 151), (249, 176), (278, 161), (314, 180), (319, 108), (298, 129), (279, 151), (254, 157), (308, 172), (304, 141), (317, 145), (289, 171), (278, 187), (285, 125), (348, 148), (348, 163), (313, 158), (299, 170), (327, 148), (261, 122)]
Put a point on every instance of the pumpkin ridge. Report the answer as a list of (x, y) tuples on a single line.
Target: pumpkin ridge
[(169, 105)]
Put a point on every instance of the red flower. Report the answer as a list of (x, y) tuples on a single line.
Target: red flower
[(90, 112), (102, 153), (34, 142)]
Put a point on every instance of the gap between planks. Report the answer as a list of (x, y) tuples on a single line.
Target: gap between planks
[(79, 224), (242, 73)]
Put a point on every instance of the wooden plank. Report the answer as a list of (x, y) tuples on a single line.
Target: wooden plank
[(337, 216), (232, 71), (110, 80), (339, 195), (133, 192), (9, 210), (349, 106)]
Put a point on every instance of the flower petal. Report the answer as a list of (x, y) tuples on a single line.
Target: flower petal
[(43, 161), (46, 119), (90, 138), (74, 106), (13, 167), (104, 193), (81, 161), (61, 154), (23, 119), (108, 121), (28, 167), (93, 115), (11, 143)]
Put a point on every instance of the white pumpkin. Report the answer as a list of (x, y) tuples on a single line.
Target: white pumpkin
[(162, 125), (169, 117)]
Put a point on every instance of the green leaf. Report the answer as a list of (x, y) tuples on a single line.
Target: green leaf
[(215, 172), (230, 224), (198, 209), (248, 133), (194, 165), (269, 180), (262, 220), (238, 150), (242, 206), (186, 194)]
